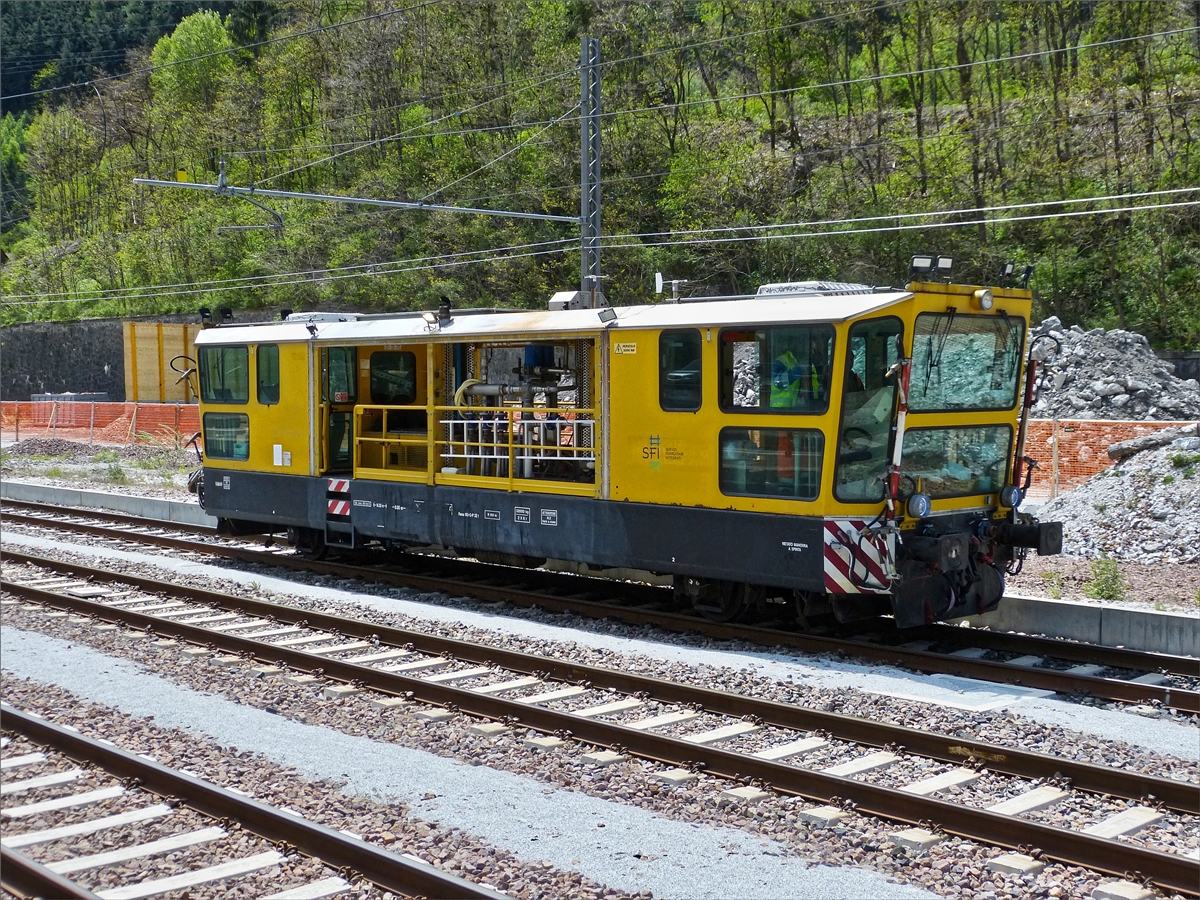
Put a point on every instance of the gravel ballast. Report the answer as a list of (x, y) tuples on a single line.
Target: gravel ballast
[(988, 711), (613, 843), (985, 711)]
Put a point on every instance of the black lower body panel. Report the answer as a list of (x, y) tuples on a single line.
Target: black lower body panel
[(759, 548)]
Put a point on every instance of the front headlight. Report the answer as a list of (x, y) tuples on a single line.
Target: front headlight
[(919, 506), (1010, 495)]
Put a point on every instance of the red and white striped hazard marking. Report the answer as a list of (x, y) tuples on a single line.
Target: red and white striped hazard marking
[(339, 507), (339, 486), (857, 563)]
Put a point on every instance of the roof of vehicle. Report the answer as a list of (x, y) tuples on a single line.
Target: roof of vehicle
[(412, 328)]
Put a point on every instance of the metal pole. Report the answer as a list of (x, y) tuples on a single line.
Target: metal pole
[(1054, 459), (225, 190), (589, 164)]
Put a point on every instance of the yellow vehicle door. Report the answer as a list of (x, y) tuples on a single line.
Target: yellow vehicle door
[(339, 393)]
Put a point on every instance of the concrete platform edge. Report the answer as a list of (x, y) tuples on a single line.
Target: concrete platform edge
[(1105, 624), (149, 507)]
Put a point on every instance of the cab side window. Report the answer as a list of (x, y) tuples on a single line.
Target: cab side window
[(224, 374), (268, 374), (680, 386), (776, 369), (771, 462)]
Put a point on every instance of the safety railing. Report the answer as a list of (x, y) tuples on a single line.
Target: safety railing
[(517, 448), (531, 448), (392, 441)]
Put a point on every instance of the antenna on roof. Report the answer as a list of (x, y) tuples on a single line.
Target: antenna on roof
[(674, 282)]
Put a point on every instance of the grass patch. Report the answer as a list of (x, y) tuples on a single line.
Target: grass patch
[(116, 475), (1107, 582), (107, 456), (1167, 479), (1183, 460), (1054, 584), (54, 472)]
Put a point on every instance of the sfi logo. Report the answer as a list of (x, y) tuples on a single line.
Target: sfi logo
[(653, 452)]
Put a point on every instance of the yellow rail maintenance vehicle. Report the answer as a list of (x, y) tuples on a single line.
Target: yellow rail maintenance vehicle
[(837, 447)]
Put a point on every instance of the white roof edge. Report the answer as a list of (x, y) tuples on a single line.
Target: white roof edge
[(762, 310)]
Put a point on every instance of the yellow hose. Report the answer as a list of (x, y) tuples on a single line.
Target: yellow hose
[(459, 394)]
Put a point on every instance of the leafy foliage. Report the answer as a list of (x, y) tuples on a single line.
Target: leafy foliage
[(1107, 582), (720, 118)]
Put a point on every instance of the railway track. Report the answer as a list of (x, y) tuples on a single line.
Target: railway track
[(154, 797), (999, 792), (1065, 667)]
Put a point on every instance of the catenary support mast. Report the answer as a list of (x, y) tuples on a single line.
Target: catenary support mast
[(589, 164)]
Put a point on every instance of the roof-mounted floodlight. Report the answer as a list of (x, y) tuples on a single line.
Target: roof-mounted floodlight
[(431, 320), (945, 265), (205, 316), (607, 316), (1006, 271), (921, 264), (226, 315), (283, 314), (1026, 275)]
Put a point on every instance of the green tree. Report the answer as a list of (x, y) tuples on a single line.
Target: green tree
[(191, 62)]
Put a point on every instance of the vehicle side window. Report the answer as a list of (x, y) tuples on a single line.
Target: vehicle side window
[(268, 373), (341, 374), (224, 374), (776, 369), (772, 462), (227, 436), (680, 387), (393, 378)]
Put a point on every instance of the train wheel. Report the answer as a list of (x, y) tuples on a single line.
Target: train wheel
[(310, 543), (722, 601), (813, 610)]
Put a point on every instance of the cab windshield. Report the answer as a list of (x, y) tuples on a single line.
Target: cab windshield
[(965, 362), (956, 462)]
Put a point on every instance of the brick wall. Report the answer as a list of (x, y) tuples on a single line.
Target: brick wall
[(1082, 449)]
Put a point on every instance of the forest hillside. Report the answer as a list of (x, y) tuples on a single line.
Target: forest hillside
[(743, 141)]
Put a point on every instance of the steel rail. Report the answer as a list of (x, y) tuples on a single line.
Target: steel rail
[(1178, 795), (1070, 650), (1169, 870), (919, 660), (108, 515), (25, 877), (388, 870)]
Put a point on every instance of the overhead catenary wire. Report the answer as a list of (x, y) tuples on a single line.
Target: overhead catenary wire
[(966, 210), (887, 76), (379, 268), (442, 264), (1148, 207), (223, 283)]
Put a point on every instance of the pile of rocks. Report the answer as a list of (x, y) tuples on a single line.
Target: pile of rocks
[(1102, 374), (1144, 508)]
